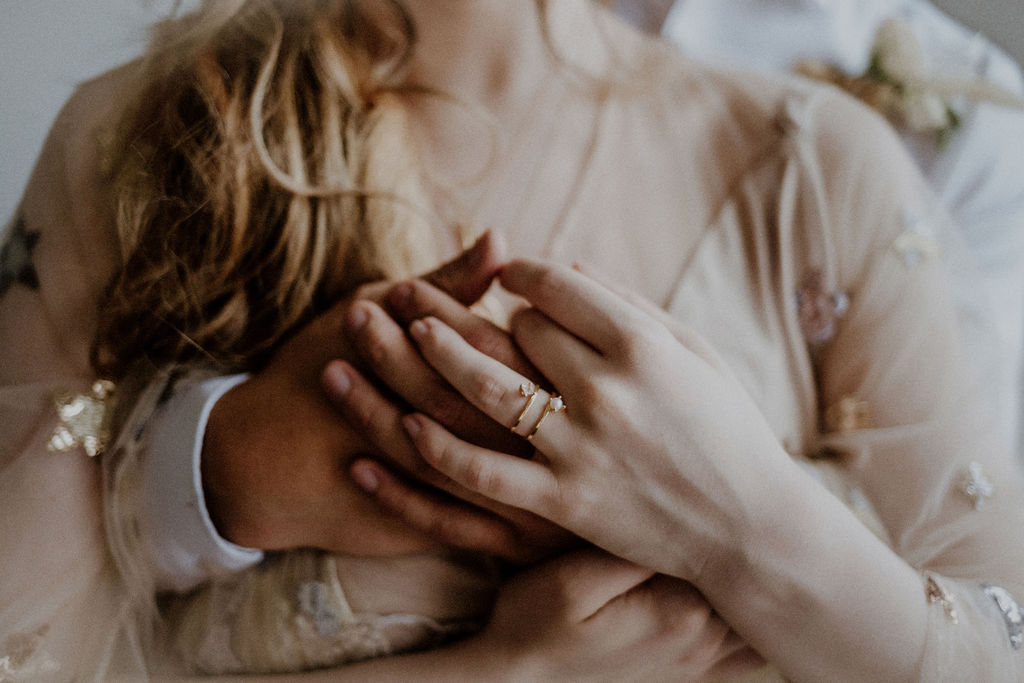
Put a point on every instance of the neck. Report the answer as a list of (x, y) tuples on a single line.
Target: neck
[(492, 51)]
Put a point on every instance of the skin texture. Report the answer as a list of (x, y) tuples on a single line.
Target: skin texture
[(448, 520)]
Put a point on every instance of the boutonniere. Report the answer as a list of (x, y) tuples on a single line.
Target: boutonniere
[(899, 84)]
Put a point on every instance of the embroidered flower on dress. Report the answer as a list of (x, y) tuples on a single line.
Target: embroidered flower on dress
[(84, 420), (818, 309), (1012, 613), (848, 415), (917, 242), (976, 485), (22, 659), (16, 258), (315, 604), (937, 595)]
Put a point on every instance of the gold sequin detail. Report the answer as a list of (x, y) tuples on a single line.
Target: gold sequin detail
[(849, 414), (937, 595), (84, 420)]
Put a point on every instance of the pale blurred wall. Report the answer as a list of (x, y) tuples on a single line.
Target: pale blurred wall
[(47, 46), (1000, 20)]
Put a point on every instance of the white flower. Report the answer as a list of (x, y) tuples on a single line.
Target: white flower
[(924, 111), (897, 52)]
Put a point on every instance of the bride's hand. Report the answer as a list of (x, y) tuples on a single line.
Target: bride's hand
[(659, 457), (589, 616), (397, 478), (504, 531)]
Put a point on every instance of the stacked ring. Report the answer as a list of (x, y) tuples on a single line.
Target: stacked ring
[(555, 404), (527, 390)]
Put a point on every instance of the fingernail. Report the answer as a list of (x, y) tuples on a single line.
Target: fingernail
[(412, 425), (337, 379), (400, 297), (365, 476), (418, 330), (356, 319)]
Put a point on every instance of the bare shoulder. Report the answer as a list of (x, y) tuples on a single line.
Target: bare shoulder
[(67, 188), (91, 114)]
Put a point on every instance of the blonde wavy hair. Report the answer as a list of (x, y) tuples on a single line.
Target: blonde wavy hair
[(264, 169)]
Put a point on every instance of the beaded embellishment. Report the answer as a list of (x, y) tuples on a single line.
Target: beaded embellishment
[(84, 420), (1012, 613), (976, 485), (818, 309), (937, 595)]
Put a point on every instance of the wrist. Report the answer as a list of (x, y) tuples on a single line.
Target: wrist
[(806, 576), (481, 658)]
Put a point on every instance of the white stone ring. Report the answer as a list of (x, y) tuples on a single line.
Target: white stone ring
[(555, 404), (527, 390)]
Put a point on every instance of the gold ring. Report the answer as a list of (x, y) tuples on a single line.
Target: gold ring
[(555, 404), (528, 390)]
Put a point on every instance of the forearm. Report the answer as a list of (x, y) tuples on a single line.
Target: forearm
[(815, 592), (463, 661)]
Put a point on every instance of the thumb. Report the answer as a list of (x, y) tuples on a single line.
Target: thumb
[(588, 580), (468, 275)]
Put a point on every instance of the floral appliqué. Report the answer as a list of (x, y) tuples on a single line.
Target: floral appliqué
[(16, 265), (1011, 611), (976, 485), (316, 605), (917, 242), (818, 309), (84, 420), (22, 659)]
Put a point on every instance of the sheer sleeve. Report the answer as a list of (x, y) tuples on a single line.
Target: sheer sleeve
[(901, 408), (63, 610)]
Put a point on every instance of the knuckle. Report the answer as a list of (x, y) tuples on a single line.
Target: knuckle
[(376, 349), (422, 299), (362, 419), (371, 291), (690, 621), (475, 474), (589, 393), (487, 341), (487, 392), (548, 284)]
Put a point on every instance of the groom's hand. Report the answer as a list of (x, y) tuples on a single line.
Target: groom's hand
[(276, 452)]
